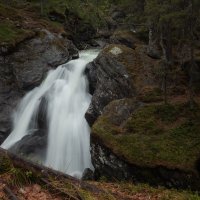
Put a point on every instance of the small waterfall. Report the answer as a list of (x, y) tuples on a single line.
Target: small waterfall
[(66, 93)]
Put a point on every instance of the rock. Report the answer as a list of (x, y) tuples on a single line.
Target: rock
[(30, 67), (56, 16), (108, 80), (154, 51), (107, 164), (42, 114), (25, 67), (33, 144), (88, 174), (120, 150), (118, 14), (126, 38), (8, 100)]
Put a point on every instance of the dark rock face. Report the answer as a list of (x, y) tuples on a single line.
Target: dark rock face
[(25, 67), (108, 80), (30, 67), (31, 145), (88, 174), (107, 164)]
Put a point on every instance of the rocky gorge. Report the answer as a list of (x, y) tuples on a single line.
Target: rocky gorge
[(134, 136)]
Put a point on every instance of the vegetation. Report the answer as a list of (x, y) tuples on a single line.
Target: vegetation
[(166, 135), (154, 135), (9, 34), (19, 180)]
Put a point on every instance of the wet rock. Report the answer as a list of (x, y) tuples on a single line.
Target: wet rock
[(107, 164), (30, 67), (33, 144), (42, 114), (108, 80), (8, 100), (88, 174)]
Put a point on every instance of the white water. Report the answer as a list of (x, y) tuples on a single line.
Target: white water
[(66, 91)]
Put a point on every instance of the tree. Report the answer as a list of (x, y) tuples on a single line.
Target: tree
[(171, 22), (42, 7)]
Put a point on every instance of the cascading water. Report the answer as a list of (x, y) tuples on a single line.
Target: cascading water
[(66, 93)]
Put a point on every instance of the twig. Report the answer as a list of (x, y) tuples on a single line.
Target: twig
[(9, 193), (51, 186)]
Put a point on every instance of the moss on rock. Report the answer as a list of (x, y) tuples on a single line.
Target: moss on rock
[(154, 135), (10, 34)]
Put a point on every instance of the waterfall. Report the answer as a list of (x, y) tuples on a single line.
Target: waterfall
[(65, 90)]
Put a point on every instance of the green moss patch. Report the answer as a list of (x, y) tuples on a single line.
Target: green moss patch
[(10, 34), (155, 135)]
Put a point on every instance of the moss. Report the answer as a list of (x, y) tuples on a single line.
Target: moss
[(162, 193), (151, 95), (5, 164), (166, 135), (125, 190), (11, 35), (86, 195)]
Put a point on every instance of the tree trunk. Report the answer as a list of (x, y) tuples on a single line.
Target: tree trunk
[(192, 61), (166, 45)]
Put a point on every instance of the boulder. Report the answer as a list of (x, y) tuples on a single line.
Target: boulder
[(108, 80), (30, 67), (88, 174), (126, 38), (118, 14), (33, 144), (139, 142)]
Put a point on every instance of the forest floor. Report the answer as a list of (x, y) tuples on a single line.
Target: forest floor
[(111, 191), (15, 25)]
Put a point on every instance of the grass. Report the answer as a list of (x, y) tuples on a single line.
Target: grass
[(125, 190), (166, 135)]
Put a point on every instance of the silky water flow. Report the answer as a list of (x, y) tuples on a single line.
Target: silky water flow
[(67, 98)]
